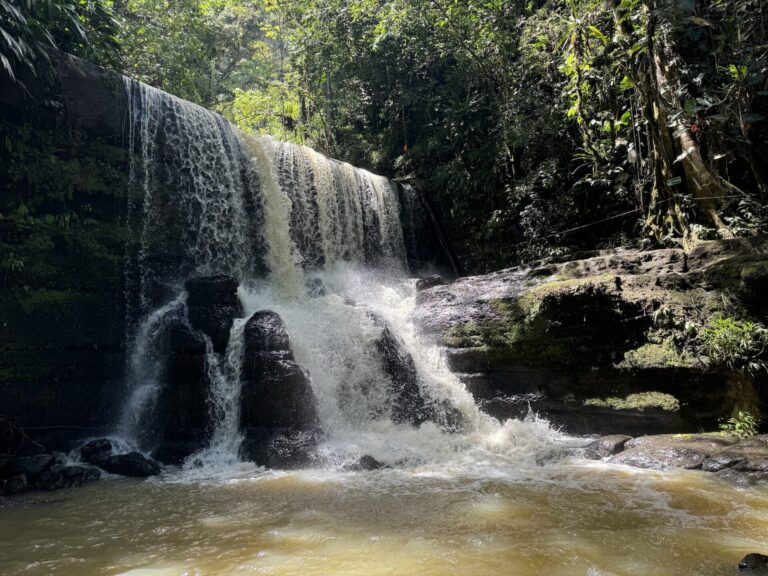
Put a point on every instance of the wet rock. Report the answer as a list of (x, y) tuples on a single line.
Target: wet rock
[(606, 446), (430, 282), (315, 287), (13, 485), (95, 450), (181, 423), (281, 448), (29, 466), (660, 459), (212, 306), (132, 464), (75, 476), (754, 564), (51, 479), (99, 453), (740, 478), (276, 391), (718, 462), (366, 463), (278, 408), (408, 404)]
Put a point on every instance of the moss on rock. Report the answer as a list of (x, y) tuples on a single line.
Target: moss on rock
[(639, 401)]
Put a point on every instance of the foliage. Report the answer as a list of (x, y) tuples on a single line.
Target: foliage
[(742, 426), (31, 29), (537, 128), (737, 344)]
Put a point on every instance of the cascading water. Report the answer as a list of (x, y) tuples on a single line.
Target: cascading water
[(281, 217)]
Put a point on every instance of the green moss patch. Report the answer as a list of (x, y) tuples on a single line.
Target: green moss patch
[(639, 401)]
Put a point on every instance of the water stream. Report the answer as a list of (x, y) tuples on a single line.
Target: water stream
[(489, 498)]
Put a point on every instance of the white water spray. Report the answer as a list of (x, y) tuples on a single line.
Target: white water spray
[(234, 204)]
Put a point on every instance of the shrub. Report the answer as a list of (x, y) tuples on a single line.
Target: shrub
[(737, 344)]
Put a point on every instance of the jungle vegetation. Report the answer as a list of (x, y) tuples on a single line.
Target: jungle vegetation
[(536, 128)]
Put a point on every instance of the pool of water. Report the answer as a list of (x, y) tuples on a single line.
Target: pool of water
[(573, 517)]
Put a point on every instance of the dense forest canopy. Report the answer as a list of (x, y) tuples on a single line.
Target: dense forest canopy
[(536, 128)]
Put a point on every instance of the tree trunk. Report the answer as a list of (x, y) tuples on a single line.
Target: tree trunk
[(706, 188)]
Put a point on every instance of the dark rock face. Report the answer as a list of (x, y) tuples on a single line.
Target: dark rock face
[(754, 564), (278, 409), (99, 453), (212, 307), (182, 419)]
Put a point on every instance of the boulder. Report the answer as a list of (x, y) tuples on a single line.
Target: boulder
[(99, 453), (61, 476), (13, 485), (51, 479), (284, 448), (660, 459), (212, 306), (133, 464), (95, 450), (278, 408), (75, 476), (754, 564), (29, 466), (181, 423), (606, 446)]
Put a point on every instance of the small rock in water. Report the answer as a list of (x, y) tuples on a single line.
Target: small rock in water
[(754, 563), (315, 288), (366, 463)]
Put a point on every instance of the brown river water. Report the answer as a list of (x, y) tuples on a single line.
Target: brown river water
[(565, 519)]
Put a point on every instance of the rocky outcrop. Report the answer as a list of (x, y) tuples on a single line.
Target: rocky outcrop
[(278, 409), (100, 453), (212, 306), (601, 345), (740, 461)]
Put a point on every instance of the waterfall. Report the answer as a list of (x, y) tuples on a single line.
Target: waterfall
[(208, 199)]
